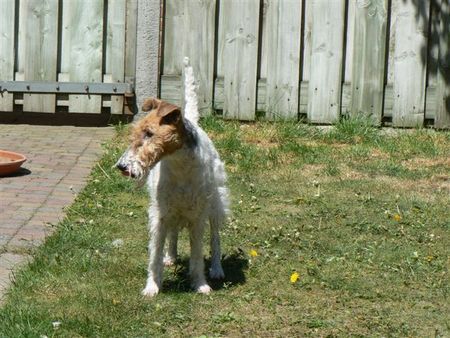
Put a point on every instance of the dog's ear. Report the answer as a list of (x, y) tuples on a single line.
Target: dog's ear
[(169, 113), (150, 103)]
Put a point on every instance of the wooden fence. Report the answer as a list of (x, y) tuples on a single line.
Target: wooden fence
[(319, 59), (58, 41)]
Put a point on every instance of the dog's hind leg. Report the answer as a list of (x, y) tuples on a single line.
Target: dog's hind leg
[(171, 253), (216, 271)]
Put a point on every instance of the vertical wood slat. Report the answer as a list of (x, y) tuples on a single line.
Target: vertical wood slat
[(349, 50), (20, 51), (173, 37), (409, 64), (190, 31), (82, 49), (115, 49), (350, 39), (307, 34), (442, 119), (198, 45), (40, 52), (239, 25), (367, 82), (7, 36), (283, 58), (130, 40), (433, 44), (326, 61), (264, 40)]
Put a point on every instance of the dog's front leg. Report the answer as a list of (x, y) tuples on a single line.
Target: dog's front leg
[(158, 232), (196, 263)]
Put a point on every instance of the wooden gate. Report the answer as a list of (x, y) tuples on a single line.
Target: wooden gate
[(319, 59), (75, 56)]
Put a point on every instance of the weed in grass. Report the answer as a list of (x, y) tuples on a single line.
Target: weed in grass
[(332, 169), (353, 130)]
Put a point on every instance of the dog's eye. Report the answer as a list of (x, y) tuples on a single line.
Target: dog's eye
[(148, 134)]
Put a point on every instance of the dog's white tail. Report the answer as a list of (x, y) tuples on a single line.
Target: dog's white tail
[(190, 96)]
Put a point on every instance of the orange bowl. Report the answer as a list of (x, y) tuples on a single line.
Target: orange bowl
[(10, 162)]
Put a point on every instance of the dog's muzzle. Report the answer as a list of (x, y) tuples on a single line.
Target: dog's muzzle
[(123, 169)]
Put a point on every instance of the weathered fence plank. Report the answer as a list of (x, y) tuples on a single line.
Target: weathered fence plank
[(306, 48), (40, 54), (173, 37), (190, 31), (326, 60), (20, 51), (263, 40), (7, 36), (238, 29), (130, 40), (443, 80), (130, 52), (409, 63), (350, 39), (82, 50), (283, 58), (369, 59), (115, 49), (199, 39)]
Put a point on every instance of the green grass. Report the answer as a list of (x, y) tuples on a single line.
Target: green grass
[(361, 216)]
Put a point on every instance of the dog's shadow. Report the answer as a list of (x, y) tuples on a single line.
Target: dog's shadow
[(233, 265)]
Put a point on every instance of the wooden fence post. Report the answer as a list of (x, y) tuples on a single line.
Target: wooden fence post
[(367, 83), (147, 50)]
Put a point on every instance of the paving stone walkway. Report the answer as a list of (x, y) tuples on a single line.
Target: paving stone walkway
[(59, 162)]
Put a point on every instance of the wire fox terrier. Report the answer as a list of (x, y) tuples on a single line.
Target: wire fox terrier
[(186, 181)]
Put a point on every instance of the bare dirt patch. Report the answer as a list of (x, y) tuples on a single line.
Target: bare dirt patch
[(420, 162)]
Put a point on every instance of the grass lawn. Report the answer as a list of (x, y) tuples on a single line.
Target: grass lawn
[(339, 233)]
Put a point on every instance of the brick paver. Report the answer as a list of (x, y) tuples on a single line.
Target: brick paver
[(59, 161)]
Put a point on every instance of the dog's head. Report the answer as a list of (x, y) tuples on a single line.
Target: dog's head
[(158, 134)]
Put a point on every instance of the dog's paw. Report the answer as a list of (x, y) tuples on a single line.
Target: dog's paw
[(151, 290), (204, 289), (169, 261), (216, 273)]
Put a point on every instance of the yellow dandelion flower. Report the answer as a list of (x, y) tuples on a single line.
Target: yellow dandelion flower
[(253, 253), (397, 218), (294, 277)]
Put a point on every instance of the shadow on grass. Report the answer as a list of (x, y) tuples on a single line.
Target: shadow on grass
[(233, 265)]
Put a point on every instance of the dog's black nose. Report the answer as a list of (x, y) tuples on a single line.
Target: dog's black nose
[(121, 167)]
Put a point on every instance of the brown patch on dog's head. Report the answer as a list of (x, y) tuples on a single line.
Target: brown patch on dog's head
[(150, 103), (158, 134)]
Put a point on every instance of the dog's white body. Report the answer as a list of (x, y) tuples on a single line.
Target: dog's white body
[(187, 189)]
